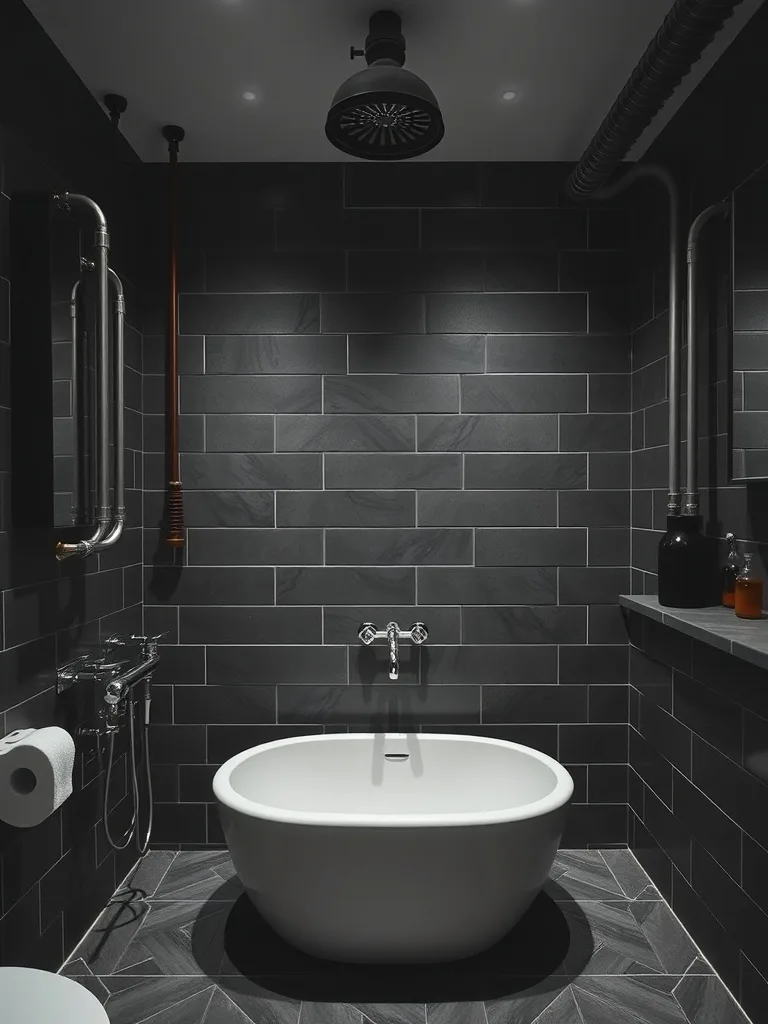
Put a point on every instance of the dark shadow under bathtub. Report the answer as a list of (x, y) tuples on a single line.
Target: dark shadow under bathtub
[(551, 944)]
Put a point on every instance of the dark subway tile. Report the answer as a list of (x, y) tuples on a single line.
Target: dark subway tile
[(651, 767), (348, 508), (27, 670), (695, 912), (592, 585), (487, 508), (224, 705), (424, 546), (411, 184), (540, 737), (224, 741), (254, 547), (377, 706), (710, 715), (369, 665), (249, 314), (243, 269), (239, 433), (238, 625), (521, 270), (651, 678), (526, 183), (330, 586), (593, 664), (363, 312), (754, 876), (670, 833), (608, 470), (397, 471), (393, 271), (185, 664), (609, 392), (593, 744), (609, 547), (416, 353), (524, 392), (557, 546), (505, 472), (524, 625), (606, 624), (503, 229), (469, 586), (328, 228), (707, 823), (489, 664), (594, 432), (594, 508), (607, 783), (753, 988), (195, 783), (342, 433), (667, 735), (191, 433), (391, 393), (180, 823), (162, 619), (558, 353), (216, 508), (497, 432), (497, 313), (252, 472), (243, 666), (194, 585), (755, 746), (608, 229), (535, 704), (750, 310), (609, 703), (250, 394), (600, 824), (275, 354), (666, 645), (177, 744)]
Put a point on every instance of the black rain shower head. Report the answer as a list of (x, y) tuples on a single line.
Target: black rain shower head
[(384, 112)]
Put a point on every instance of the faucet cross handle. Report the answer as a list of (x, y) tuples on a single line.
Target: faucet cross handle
[(419, 633), (148, 643)]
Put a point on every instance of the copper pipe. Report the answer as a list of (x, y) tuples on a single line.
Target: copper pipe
[(175, 500)]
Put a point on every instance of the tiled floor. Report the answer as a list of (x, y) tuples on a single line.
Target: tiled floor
[(599, 946)]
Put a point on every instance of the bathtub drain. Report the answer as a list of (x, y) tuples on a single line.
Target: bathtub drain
[(397, 757)]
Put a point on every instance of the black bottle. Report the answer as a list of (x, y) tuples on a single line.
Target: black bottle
[(686, 574)]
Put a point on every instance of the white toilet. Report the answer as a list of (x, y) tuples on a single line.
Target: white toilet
[(28, 995)]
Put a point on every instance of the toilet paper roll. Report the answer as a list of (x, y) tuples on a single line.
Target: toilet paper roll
[(35, 774)]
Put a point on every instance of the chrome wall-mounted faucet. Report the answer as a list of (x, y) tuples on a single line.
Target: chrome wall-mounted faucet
[(418, 633)]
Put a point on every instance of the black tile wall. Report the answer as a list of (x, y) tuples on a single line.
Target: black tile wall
[(56, 877), (405, 414)]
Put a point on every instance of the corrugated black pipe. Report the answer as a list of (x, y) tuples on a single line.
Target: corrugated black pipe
[(686, 32)]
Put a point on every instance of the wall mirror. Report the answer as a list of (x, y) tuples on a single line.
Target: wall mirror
[(749, 369), (52, 370)]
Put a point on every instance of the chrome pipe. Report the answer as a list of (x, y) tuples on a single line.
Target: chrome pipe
[(71, 202), (691, 505), (74, 404), (667, 181), (118, 413)]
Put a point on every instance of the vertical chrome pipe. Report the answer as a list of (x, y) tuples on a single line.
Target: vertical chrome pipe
[(75, 405), (691, 506), (666, 180), (72, 201), (118, 416)]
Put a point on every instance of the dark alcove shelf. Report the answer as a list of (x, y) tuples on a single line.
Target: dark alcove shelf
[(717, 627)]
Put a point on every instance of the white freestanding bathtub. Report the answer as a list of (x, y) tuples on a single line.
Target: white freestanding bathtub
[(392, 848)]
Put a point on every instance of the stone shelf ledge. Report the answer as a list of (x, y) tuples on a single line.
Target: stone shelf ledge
[(743, 638)]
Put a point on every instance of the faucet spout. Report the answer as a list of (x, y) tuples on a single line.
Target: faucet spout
[(393, 638)]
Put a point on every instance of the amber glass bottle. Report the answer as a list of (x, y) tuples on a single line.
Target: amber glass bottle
[(749, 592)]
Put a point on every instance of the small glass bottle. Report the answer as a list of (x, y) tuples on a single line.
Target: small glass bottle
[(731, 570), (749, 592)]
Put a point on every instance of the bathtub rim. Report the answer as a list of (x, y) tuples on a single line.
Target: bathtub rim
[(558, 798)]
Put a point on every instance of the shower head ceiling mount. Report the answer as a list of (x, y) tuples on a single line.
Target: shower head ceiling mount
[(384, 112)]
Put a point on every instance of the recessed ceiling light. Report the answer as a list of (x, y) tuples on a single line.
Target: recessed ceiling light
[(510, 94), (250, 96)]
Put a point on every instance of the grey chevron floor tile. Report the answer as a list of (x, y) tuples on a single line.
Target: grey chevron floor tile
[(182, 939), (192, 1010), (393, 1013), (562, 1010), (221, 1010), (614, 929), (630, 875), (699, 966), (526, 1006), (200, 875), (149, 872), (260, 1003), (329, 1013), (584, 875), (104, 945), (76, 969), (142, 969), (671, 942), (135, 1000), (456, 1013), (94, 985), (705, 1000), (627, 1001)]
